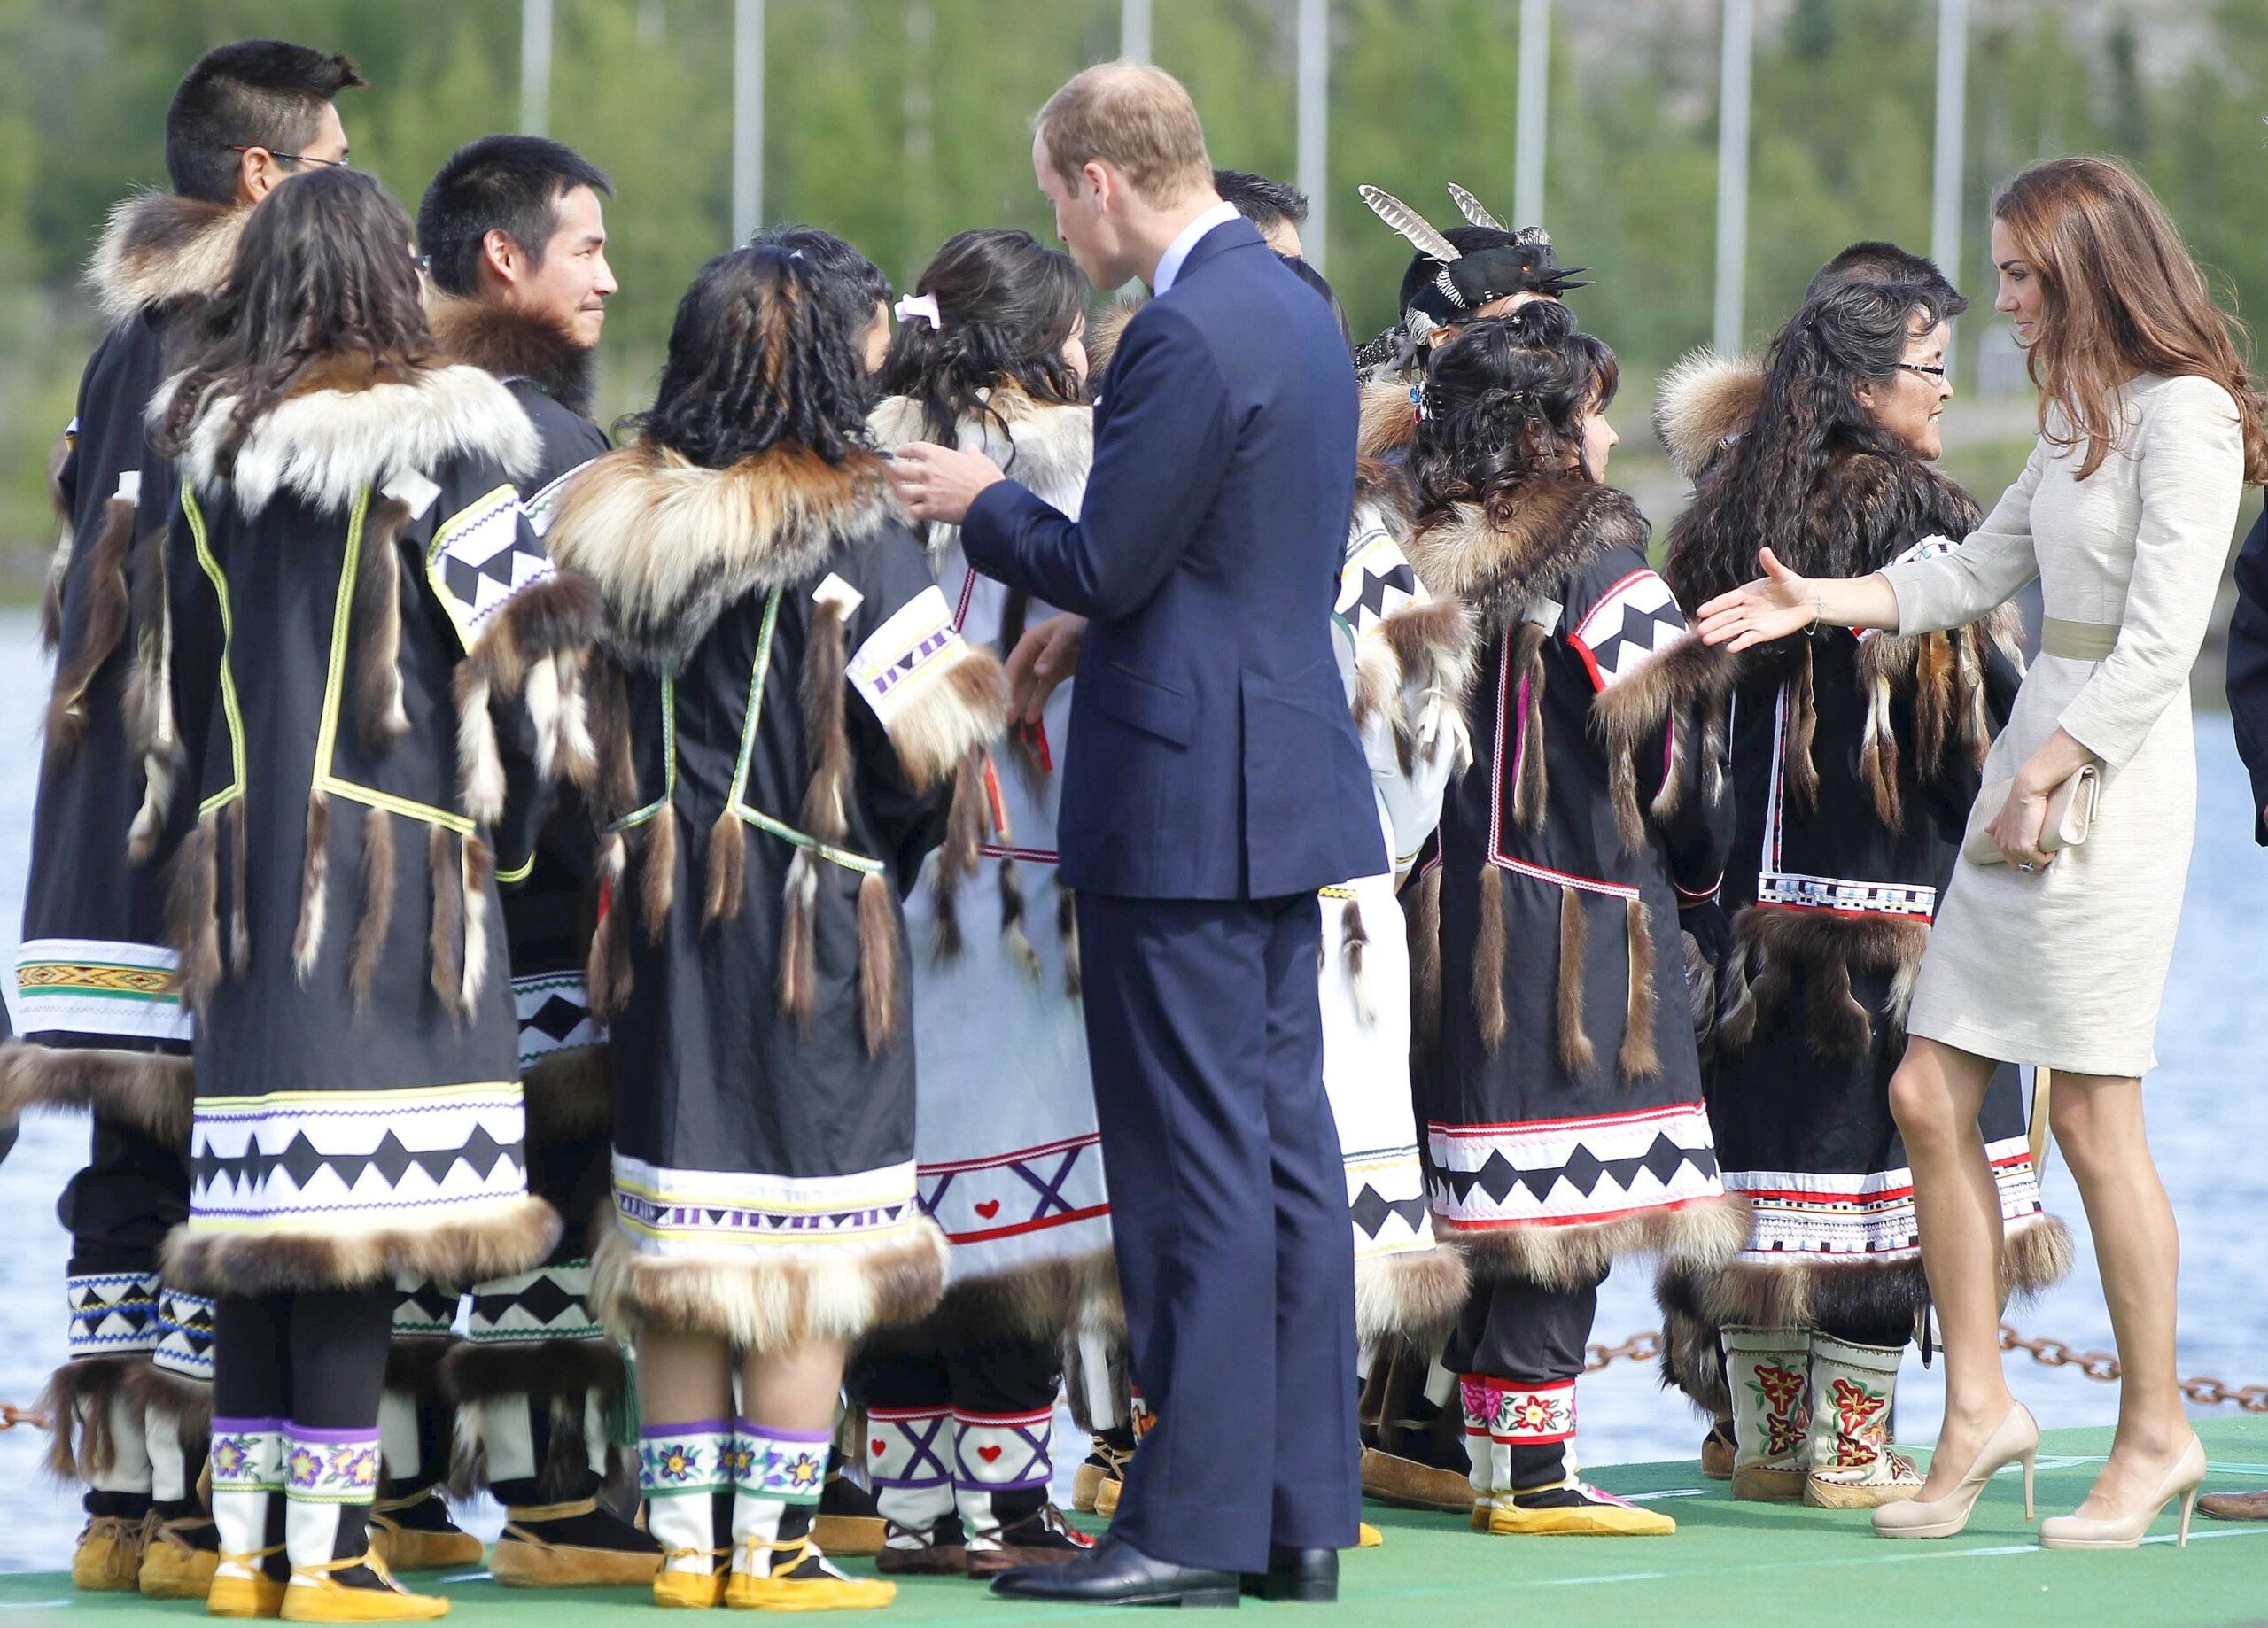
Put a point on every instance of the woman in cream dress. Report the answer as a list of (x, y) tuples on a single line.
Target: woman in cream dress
[(2150, 429)]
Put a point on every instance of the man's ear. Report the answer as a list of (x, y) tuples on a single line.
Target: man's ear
[(257, 173), (502, 256), (1102, 180)]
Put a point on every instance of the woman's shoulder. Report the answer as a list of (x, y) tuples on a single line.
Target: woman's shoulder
[(2185, 396)]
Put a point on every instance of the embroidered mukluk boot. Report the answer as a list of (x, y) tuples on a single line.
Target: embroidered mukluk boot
[(848, 1522), (1491, 1461), (1002, 1466), (556, 1535), (100, 1439), (410, 1522), (1767, 1371), (909, 1466), (1103, 1470), (1543, 1495), (249, 1573), (777, 1564), (683, 1469), (1851, 1465), (183, 1548), (328, 1478)]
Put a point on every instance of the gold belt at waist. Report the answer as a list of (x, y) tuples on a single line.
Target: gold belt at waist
[(2076, 642)]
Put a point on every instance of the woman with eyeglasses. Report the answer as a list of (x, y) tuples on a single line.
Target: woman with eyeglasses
[(1854, 757)]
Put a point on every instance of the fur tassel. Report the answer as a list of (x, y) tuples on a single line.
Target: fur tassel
[(607, 972), (479, 870), (232, 821), (1426, 962), (1488, 959), (1840, 1028), (657, 872), (578, 754), (377, 906), (104, 618), (1067, 935), (965, 706), (1934, 699), (539, 691), (315, 887), (1878, 756), (480, 765), (150, 697), (1354, 939), (965, 822), (1803, 723), (799, 940), (877, 964), (1639, 1057), (727, 869), (1576, 1053), (192, 906), (78, 1399), (446, 944), (1012, 933), (1529, 791), (379, 716), (59, 562), (827, 741)]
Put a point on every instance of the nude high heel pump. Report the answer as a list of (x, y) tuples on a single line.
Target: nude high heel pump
[(2016, 1440), (2182, 1480)]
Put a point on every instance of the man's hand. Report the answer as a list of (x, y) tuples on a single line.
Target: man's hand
[(1043, 658), (939, 482)]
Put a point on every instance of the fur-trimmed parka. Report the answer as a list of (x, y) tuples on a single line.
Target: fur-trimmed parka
[(394, 654), (95, 984), (1854, 760), (780, 715), (1563, 1112)]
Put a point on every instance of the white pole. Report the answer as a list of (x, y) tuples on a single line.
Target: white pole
[(1315, 124), (1134, 30), (748, 119), (1530, 117), (535, 67), (1732, 172), (1953, 100)]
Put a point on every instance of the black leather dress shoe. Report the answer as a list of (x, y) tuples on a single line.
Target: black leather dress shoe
[(1297, 1574), (1117, 1573)]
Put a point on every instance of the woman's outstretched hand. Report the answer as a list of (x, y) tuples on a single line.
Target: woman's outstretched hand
[(1776, 604)]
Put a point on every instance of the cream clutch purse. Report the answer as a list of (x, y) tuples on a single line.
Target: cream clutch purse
[(2070, 815)]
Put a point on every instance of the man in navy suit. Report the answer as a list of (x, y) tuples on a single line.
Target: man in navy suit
[(1213, 783)]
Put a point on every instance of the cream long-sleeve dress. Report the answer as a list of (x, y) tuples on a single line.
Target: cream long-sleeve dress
[(2065, 967)]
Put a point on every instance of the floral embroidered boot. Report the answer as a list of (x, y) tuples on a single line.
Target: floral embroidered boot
[(1491, 1463), (330, 1477), (1768, 1372), (1543, 1494), (683, 1469), (1852, 1464), (777, 1564), (247, 1464), (909, 1466)]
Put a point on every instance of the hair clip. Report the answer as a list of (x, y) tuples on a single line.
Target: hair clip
[(923, 306), (1417, 401)]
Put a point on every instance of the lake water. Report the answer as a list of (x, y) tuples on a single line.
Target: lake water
[(2206, 1107)]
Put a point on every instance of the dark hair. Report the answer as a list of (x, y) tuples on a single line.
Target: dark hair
[(255, 93), (1505, 401), (322, 271), (843, 277), (1876, 261), (1765, 490), (1315, 280), (511, 184), (758, 357), (1263, 202), (1009, 303)]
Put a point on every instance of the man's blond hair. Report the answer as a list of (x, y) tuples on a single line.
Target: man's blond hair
[(1132, 115)]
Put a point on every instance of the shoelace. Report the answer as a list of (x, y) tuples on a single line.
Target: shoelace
[(545, 1512), (325, 1570), (711, 1556), (127, 1535), (172, 1531), (801, 1549), (250, 1560)]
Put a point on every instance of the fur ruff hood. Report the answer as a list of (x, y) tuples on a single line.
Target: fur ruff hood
[(1706, 401), (1047, 447), (157, 248), (671, 545), (513, 344), (1104, 328), (1558, 525), (1389, 424), (346, 428)]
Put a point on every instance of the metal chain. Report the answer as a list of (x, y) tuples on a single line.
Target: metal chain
[(1638, 1348), (11, 1415)]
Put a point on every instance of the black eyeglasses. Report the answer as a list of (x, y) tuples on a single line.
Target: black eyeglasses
[(297, 158), (1915, 367)]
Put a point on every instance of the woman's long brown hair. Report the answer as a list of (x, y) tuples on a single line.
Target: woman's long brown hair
[(2122, 298)]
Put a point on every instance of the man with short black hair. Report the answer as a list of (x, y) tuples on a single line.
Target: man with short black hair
[(96, 987), (514, 237), (1277, 208)]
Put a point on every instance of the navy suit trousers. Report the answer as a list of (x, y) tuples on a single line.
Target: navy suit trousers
[(1228, 1209)]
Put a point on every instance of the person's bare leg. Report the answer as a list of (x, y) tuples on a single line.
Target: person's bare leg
[(1936, 1093), (684, 1376), (2098, 1124), (793, 1387)]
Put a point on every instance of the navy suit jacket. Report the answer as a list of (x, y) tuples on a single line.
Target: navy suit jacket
[(1211, 755), (2248, 674)]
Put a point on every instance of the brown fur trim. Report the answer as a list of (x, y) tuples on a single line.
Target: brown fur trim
[(155, 1091), (158, 247), (162, 1393), (1488, 959), (1879, 756), (58, 562), (414, 1363), (1775, 940), (1576, 1053), (963, 708), (1554, 527), (1686, 679), (827, 740), (877, 964), (1639, 1059), (1693, 1361), (786, 1296), (727, 869), (1354, 939), (512, 342), (445, 946), (560, 615), (1014, 937), (1796, 1291), (513, 1237), (379, 717), (799, 940), (1067, 934), (478, 863), (607, 972), (378, 883), (967, 822), (1704, 401), (1425, 964), (1388, 423), (1534, 774), (102, 613), (1702, 1235), (480, 764), (78, 1399), (570, 1094), (1415, 1293), (657, 872), (613, 792), (556, 1380), (1105, 328), (1430, 645), (315, 888), (193, 911), (1039, 1301), (671, 545), (1803, 726)]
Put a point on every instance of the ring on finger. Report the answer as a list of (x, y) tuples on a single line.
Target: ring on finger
[(2026, 866)]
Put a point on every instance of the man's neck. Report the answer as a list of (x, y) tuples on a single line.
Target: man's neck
[(1154, 233)]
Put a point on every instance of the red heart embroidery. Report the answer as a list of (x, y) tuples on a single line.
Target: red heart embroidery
[(988, 1453), (879, 1445), (988, 1208)]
